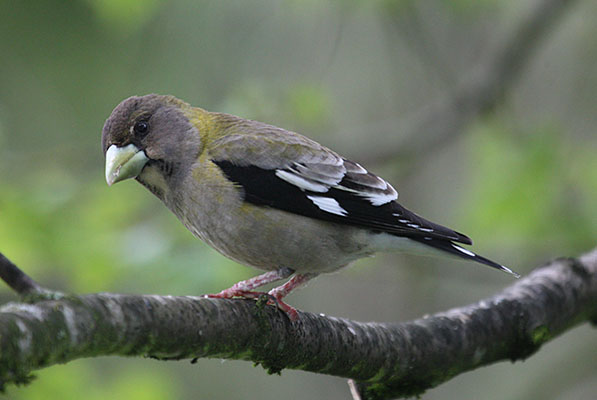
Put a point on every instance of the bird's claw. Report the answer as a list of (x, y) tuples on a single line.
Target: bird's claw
[(270, 299), (289, 310)]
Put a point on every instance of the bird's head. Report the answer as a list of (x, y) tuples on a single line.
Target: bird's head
[(151, 138)]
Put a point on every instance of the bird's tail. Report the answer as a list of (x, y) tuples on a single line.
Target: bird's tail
[(449, 247)]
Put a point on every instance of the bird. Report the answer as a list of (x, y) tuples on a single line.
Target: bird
[(265, 196)]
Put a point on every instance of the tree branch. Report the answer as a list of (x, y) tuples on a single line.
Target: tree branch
[(16, 279), (385, 359)]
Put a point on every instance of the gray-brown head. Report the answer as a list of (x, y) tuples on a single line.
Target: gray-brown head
[(151, 132)]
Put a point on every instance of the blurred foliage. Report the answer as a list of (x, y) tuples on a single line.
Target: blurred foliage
[(124, 16), (530, 186), (79, 380), (86, 239), (349, 73), (304, 104)]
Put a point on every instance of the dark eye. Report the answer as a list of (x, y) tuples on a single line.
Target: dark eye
[(141, 127)]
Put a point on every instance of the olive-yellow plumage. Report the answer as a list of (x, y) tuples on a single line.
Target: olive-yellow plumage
[(264, 196)]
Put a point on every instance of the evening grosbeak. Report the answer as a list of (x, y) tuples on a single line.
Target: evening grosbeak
[(264, 196)]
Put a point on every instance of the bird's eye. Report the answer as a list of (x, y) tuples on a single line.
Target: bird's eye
[(141, 127)]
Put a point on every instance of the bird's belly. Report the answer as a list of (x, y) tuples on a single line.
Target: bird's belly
[(269, 239)]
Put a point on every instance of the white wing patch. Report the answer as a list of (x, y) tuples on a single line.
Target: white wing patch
[(326, 174), (375, 198), (343, 175), (328, 204), (301, 182), (373, 188), (379, 199)]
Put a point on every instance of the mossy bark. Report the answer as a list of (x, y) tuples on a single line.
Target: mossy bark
[(387, 360)]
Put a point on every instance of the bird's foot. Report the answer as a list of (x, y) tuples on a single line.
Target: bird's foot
[(278, 293), (288, 309), (272, 299)]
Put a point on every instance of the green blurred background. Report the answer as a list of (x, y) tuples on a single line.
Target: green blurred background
[(520, 179)]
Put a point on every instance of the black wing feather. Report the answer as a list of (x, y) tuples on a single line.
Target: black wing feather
[(262, 187)]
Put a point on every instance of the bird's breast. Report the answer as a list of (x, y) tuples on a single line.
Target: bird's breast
[(264, 237)]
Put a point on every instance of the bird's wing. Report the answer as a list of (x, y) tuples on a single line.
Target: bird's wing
[(290, 172)]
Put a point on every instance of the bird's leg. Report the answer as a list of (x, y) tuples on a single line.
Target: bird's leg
[(278, 293), (245, 288)]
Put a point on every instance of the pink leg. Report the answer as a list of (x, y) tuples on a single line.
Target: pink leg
[(244, 288), (280, 292)]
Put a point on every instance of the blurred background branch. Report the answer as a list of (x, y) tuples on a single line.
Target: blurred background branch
[(387, 360), (16, 279), (469, 93)]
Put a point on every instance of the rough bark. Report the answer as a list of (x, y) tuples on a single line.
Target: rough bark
[(387, 360)]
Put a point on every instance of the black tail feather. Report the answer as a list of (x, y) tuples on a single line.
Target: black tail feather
[(449, 247)]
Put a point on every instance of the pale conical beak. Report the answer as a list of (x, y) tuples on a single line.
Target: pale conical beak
[(124, 163)]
